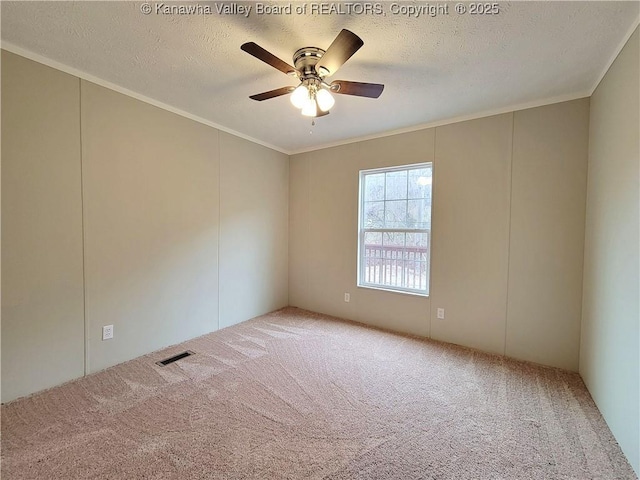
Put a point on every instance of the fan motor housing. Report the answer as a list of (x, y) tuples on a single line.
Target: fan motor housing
[(306, 58)]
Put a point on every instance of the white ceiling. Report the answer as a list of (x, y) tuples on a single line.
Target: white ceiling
[(434, 68)]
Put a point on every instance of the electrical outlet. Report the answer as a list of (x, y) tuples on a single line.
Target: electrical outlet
[(440, 313), (107, 332), (347, 297)]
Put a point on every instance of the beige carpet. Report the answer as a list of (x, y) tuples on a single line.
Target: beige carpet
[(298, 395)]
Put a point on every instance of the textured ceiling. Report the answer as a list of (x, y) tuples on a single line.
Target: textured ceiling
[(434, 68)]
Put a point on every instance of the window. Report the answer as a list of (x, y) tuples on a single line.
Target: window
[(395, 228)]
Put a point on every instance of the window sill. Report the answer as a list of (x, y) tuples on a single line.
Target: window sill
[(401, 292)]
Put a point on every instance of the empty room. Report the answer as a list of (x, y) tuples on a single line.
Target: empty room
[(320, 240)]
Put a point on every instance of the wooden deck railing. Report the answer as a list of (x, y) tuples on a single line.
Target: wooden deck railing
[(404, 267)]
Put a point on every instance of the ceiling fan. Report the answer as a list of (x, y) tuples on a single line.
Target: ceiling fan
[(312, 66)]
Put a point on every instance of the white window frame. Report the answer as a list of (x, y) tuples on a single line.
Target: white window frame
[(362, 230)]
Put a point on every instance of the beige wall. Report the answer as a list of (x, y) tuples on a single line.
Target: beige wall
[(609, 351), (150, 181), (159, 196), (549, 181), (470, 231), (254, 201), (42, 300), (485, 214)]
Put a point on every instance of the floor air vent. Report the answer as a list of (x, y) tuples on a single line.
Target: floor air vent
[(175, 358)]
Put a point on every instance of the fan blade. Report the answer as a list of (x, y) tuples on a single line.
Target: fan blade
[(261, 54), (272, 93), (346, 44), (371, 90)]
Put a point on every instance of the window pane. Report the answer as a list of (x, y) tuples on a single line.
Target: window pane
[(373, 238), (419, 183), (374, 187), (416, 265), (418, 214), (373, 215), (395, 214), (426, 210), (372, 254), (394, 239), (417, 240), (396, 185), (391, 261)]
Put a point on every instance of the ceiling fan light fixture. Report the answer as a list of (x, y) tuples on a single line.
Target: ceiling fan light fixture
[(300, 96), (313, 95), (325, 100), (310, 109)]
